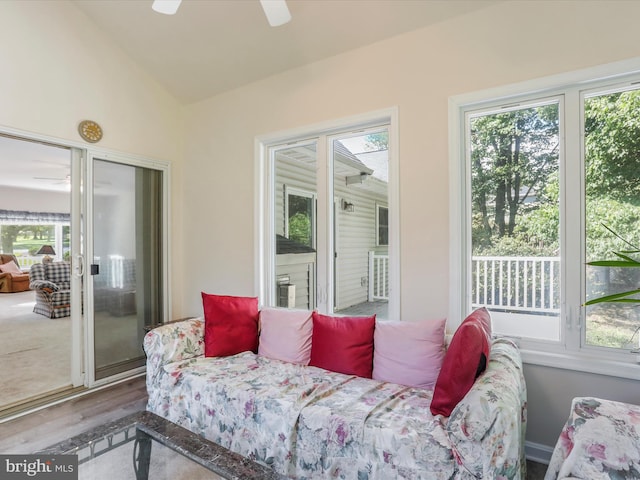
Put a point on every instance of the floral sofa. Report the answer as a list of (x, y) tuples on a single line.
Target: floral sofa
[(307, 422)]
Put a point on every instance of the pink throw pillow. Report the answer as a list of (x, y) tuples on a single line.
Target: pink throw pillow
[(408, 353), (10, 267), (285, 334), (343, 344), (466, 358), (230, 325)]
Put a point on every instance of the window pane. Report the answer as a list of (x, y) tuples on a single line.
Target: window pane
[(514, 156), (612, 187), (295, 226), (127, 247), (383, 225), (300, 219), (361, 259)]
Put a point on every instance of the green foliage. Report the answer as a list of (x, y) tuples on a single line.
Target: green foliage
[(624, 259), (514, 155), (8, 236), (377, 141), (612, 145), (300, 228), (604, 216)]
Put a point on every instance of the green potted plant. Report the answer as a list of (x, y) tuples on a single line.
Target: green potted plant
[(624, 260)]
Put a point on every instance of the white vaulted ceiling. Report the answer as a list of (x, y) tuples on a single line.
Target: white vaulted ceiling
[(211, 46)]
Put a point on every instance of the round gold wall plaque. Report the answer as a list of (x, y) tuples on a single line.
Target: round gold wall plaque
[(90, 131)]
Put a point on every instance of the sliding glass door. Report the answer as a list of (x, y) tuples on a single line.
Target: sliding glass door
[(85, 235), (127, 263), (41, 342)]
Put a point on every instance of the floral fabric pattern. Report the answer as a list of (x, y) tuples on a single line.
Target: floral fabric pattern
[(601, 440), (308, 423)]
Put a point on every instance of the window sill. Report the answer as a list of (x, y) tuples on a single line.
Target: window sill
[(583, 362)]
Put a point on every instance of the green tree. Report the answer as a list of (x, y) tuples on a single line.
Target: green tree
[(513, 154), (300, 228), (377, 141), (612, 145), (9, 236)]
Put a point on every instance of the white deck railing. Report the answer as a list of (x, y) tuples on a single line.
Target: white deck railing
[(527, 284), (378, 277), (25, 261)]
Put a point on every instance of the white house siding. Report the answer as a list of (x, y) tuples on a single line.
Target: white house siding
[(356, 231), (300, 269), (292, 174), (356, 236)]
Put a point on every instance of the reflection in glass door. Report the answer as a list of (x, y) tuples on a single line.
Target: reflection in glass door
[(295, 226), (127, 263), (329, 201), (40, 350), (361, 223)]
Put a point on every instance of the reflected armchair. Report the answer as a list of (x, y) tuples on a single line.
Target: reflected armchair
[(52, 283), (12, 279)]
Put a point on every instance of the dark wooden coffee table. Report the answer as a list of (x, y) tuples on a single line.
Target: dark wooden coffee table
[(143, 442)]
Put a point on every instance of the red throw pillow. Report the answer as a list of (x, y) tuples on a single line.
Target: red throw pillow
[(466, 358), (343, 344), (230, 325)]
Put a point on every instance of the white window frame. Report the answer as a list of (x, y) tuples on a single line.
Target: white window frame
[(304, 194), (378, 207), (570, 352), (264, 173)]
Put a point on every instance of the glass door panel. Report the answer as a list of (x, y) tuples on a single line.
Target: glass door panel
[(127, 263), (361, 223), (295, 226), (35, 214)]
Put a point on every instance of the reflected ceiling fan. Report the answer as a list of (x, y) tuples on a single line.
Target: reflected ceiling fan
[(276, 11), (56, 180), (66, 180)]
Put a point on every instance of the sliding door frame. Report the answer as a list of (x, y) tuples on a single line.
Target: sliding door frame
[(82, 155), (133, 161)]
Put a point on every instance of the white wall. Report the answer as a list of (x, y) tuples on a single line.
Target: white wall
[(417, 72), (23, 199), (58, 69)]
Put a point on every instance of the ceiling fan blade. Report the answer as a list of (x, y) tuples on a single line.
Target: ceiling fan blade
[(167, 7), (276, 11)]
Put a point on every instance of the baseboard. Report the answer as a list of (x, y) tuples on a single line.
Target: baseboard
[(537, 452)]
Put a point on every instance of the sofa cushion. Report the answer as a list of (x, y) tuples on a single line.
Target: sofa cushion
[(466, 358), (10, 267), (231, 324), (285, 334), (408, 353), (343, 344)]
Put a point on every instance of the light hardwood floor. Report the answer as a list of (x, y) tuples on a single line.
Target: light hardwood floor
[(38, 430), (35, 431)]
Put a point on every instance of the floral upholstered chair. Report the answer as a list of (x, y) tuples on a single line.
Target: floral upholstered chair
[(600, 441), (52, 283)]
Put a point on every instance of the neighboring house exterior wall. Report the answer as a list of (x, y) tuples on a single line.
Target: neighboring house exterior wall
[(355, 237), (355, 233)]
